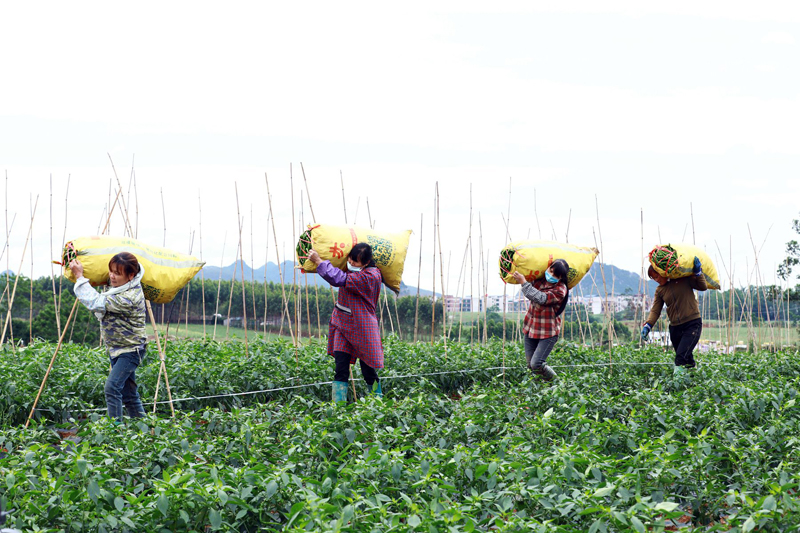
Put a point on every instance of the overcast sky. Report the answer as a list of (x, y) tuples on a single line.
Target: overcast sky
[(627, 109)]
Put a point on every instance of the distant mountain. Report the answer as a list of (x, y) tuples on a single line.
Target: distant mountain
[(618, 281), (273, 274)]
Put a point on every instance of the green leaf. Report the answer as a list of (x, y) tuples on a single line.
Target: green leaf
[(667, 506), (596, 526), (272, 488), (163, 504), (637, 524), (11, 480), (414, 520), (112, 520), (119, 503), (216, 519), (94, 490), (769, 503), (350, 434), (605, 491), (81, 466), (548, 413), (749, 525)]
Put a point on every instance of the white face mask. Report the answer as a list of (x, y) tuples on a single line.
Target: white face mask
[(351, 268)]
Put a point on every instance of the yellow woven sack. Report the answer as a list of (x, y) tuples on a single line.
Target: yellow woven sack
[(165, 272), (333, 243), (677, 260), (532, 258)]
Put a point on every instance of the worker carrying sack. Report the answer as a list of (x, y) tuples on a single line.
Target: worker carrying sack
[(677, 261), (333, 243), (532, 258), (165, 272)]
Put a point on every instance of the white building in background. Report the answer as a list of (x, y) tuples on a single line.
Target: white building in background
[(517, 303), (471, 304), (615, 303)]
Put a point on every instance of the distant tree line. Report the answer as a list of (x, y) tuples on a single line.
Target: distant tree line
[(271, 308)]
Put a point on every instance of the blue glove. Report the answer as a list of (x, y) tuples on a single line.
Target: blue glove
[(697, 268), (646, 331)]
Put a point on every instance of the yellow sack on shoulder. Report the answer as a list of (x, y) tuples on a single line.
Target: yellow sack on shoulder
[(165, 272), (532, 258), (677, 261), (333, 243)]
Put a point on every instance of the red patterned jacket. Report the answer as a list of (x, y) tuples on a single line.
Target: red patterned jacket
[(541, 321), (356, 333)]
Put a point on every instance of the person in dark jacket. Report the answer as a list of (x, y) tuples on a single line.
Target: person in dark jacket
[(548, 297), (353, 333), (685, 322)]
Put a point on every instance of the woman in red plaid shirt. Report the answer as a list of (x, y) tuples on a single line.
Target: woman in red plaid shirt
[(353, 333), (548, 298)]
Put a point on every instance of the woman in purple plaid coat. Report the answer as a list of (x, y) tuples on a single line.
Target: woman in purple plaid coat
[(354, 332), (548, 298)]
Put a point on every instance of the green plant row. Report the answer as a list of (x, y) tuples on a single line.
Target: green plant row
[(623, 450)]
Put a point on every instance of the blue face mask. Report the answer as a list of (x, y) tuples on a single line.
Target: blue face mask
[(351, 268), (549, 277)]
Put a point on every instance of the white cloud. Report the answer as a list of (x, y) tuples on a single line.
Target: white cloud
[(779, 37)]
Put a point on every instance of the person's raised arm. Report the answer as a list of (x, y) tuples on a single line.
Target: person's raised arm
[(84, 292), (327, 271)]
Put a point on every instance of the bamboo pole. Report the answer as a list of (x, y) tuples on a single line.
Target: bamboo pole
[(441, 269), (485, 280), (164, 241), (433, 299), (305, 277), (52, 361), (202, 273), (253, 272), (219, 286), (162, 358), (16, 278), (188, 288), (63, 242), (280, 268), (642, 280), (732, 291), (471, 271), (241, 265), (30, 295), (505, 284), (419, 278), (298, 295), (266, 264), (52, 273), (603, 272), (230, 293), (344, 204)]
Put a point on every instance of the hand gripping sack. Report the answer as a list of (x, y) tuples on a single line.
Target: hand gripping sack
[(335, 242), (677, 260), (532, 258), (165, 272)]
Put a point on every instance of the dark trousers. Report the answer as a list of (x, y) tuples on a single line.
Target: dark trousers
[(343, 369), (684, 339), (120, 386)]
